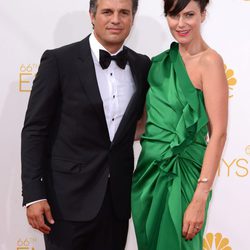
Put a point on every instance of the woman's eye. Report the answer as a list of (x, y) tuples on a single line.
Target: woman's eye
[(189, 14)]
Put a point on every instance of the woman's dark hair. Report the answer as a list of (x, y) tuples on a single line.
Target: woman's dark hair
[(173, 7)]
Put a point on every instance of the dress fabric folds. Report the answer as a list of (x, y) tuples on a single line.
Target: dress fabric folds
[(170, 162)]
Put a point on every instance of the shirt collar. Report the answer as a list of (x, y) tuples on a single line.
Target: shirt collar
[(96, 46)]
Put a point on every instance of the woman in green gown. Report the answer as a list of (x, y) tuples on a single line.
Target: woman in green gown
[(186, 103)]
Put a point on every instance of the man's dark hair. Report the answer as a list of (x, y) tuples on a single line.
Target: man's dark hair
[(93, 6)]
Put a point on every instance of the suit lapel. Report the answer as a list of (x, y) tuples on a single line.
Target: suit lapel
[(86, 70), (126, 121)]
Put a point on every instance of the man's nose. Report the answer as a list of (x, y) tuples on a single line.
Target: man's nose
[(115, 18)]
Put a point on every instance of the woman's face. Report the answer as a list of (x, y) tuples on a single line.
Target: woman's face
[(185, 26)]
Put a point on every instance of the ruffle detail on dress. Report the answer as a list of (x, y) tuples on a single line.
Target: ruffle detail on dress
[(193, 118)]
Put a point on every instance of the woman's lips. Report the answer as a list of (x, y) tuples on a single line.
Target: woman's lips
[(182, 32)]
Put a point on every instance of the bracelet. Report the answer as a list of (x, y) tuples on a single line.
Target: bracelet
[(203, 180)]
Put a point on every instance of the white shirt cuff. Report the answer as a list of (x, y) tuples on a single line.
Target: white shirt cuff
[(33, 202)]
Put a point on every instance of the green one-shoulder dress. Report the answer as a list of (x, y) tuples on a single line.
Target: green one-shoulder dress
[(170, 162)]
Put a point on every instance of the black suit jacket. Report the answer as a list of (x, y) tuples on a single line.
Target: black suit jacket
[(66, 151)]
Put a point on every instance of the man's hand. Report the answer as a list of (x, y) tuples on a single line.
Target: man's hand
[(36, 213)]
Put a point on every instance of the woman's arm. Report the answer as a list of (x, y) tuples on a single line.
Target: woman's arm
[(215, 91), (140, 127)]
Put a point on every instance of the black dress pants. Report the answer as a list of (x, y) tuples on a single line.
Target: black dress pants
[(104, 232)]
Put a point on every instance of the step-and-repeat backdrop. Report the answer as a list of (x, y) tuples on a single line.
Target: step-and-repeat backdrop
[(29, 27)]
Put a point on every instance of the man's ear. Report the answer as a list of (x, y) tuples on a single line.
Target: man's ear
[(92, 18), (133, 20)]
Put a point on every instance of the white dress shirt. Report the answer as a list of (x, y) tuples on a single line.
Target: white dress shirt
[(116, 88)]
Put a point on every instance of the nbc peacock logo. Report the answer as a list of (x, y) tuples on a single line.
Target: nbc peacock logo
[(247, 150), (216, 242), (231, 80)]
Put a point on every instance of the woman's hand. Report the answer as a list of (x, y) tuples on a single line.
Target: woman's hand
[(194, 215)]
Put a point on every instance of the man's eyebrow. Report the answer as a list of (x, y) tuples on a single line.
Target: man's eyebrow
[(128, 10), (106, 9), (110, 9)]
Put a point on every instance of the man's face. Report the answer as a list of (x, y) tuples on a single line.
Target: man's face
[(112, 22)]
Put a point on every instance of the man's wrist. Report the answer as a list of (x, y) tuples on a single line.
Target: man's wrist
[(33, 202)]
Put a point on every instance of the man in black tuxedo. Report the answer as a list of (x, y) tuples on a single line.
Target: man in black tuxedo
[(77, 139)]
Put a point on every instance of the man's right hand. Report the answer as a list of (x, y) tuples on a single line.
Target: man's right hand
[(37, 213)]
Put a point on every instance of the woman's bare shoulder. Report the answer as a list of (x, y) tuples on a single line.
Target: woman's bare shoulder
[(211, 58)]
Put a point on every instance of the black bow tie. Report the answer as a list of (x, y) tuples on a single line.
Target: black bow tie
[(120, 59)]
